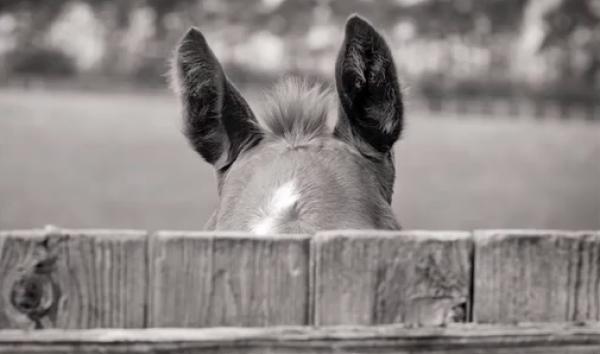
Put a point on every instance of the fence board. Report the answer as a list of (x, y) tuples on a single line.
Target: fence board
[(379, 277), (93, 278), (220, 279), (72, 279), (536, 276), (464, 339)]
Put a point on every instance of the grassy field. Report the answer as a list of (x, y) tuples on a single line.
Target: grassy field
[(119, 160)]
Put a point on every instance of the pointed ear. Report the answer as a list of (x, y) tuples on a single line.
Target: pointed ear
[(371, 102), (217, 120)]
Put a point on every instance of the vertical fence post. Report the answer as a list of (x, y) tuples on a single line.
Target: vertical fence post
[(206, 279), (379, 277), (536, 276), (73, 279)]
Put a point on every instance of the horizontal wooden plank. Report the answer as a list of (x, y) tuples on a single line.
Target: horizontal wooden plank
[(73, 278), (536, 275), (367, 277), (456, 338), (207, 279)]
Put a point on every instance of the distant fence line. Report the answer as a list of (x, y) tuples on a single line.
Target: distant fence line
[(481, 104), (76, 279), (509, 106)]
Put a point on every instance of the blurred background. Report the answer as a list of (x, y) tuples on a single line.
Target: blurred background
[(503, 108)]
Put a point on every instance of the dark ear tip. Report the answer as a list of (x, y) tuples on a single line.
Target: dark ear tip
[(358, 24), (193, 36), (193, 46)]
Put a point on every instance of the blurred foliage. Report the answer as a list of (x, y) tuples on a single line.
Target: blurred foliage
[(574, 30), (467, 17), (40, 62), (569, 47)]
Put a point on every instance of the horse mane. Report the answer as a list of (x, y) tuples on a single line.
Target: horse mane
[(295, 111)]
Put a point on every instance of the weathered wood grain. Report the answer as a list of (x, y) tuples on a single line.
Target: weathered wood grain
[(455, 338), (228, 279), (72, 279), (536, 276), (379, 277)]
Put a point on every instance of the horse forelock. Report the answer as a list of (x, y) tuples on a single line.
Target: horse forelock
[(296, 111)]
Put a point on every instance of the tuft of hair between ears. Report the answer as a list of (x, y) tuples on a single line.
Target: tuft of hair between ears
[(296, 111)]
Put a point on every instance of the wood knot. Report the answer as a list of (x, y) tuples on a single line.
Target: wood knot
[(35, 293)]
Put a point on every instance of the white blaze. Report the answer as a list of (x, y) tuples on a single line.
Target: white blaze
[(277, 209), (264, 226)]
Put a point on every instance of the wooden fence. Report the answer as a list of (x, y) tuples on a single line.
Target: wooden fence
[(409, 291)]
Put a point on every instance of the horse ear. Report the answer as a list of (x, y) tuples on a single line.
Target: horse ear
[(217, 120), (367, 85)]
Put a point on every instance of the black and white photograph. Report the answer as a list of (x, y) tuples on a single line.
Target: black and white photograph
[(300, 176)]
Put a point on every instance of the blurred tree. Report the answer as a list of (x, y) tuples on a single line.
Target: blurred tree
[(32, 57), (40, 62), (34, 18), (573, 29), (440, 18), (163, 8)]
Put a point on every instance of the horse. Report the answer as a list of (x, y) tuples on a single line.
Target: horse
[(287, 170)]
